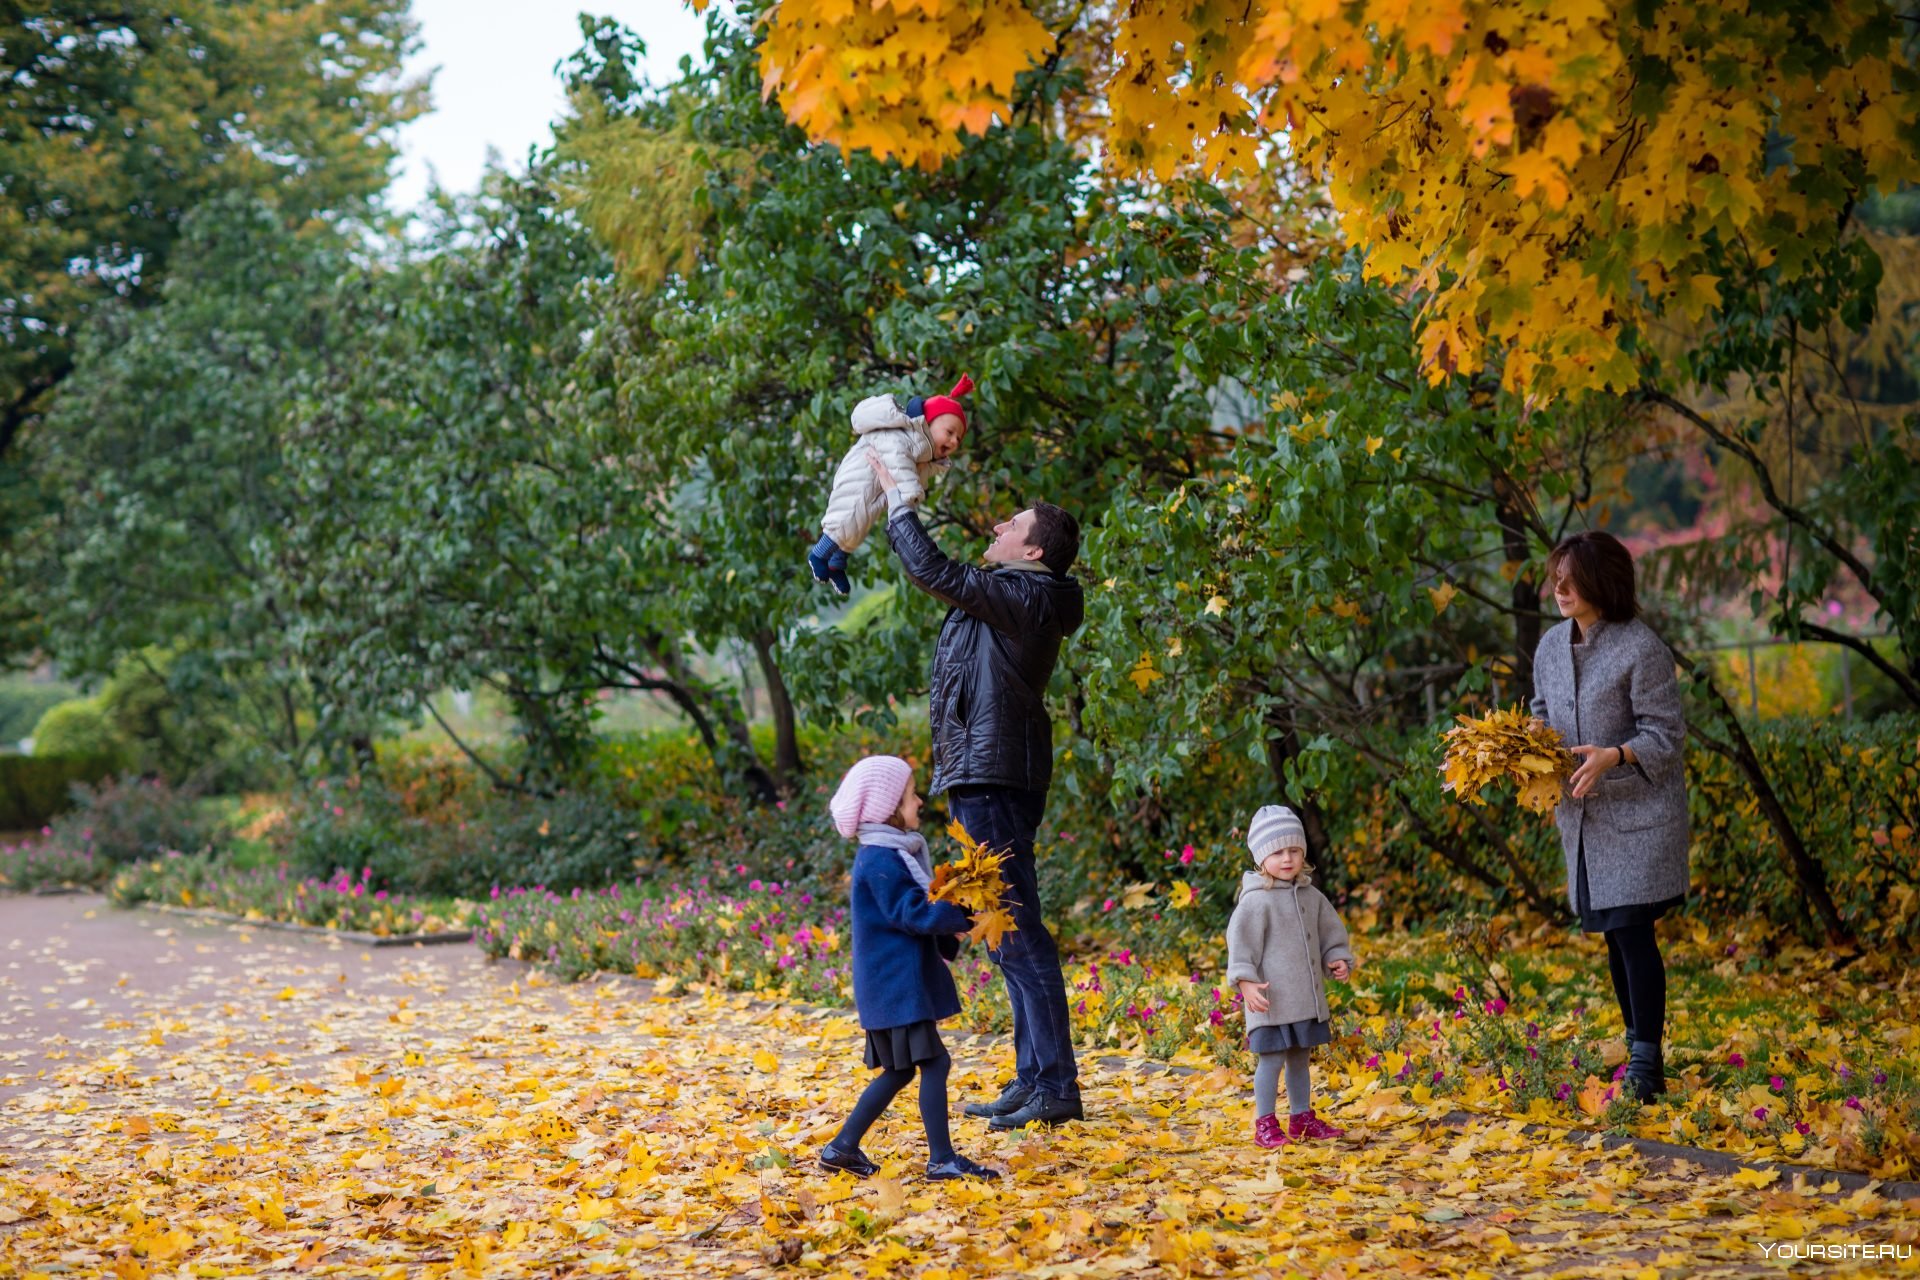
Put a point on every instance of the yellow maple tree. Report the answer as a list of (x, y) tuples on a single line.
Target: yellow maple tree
[(1549, 177)]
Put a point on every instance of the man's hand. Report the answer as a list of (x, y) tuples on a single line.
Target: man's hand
[(1340, 969), (1255, 994), (887, 483), (1594, 762)]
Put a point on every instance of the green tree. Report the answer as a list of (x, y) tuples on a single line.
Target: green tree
[(165, 488), (115, 123)]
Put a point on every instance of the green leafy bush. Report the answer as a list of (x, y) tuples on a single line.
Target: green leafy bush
[(23, 700), (128, 819), (78, 727), (35, 788)]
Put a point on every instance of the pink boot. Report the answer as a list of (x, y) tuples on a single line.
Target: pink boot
[(1266, 1132), (1305, 1124)]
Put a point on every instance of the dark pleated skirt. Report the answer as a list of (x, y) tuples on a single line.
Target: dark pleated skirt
[(900, 1048), (1294, 1035), (1621, 917)]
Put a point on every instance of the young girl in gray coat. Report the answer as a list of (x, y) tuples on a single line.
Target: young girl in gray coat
[(1283, 934)]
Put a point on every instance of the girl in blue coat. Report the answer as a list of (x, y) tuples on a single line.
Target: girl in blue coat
[(901, 945)]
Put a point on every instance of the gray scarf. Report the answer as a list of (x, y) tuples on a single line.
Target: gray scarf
[(911, 845)]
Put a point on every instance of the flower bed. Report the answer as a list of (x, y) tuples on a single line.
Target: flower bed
[(340, 901), (35, 864)]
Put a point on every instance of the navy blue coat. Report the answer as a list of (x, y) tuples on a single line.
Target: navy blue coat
[(898, 975)]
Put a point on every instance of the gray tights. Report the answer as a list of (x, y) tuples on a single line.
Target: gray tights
[(1266, 1082)]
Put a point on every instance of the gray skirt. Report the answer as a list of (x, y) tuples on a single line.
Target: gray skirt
[(1292, 1035)]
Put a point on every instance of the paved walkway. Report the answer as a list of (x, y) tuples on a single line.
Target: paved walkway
[(178, 1095)]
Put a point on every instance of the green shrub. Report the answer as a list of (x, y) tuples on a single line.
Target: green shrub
[(23, 700), (130, 819), (78, 727), (35, 788)]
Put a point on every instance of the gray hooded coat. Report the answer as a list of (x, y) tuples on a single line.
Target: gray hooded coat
[(1285, 934)]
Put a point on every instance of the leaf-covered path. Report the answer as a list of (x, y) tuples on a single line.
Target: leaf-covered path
[(186, 1099)]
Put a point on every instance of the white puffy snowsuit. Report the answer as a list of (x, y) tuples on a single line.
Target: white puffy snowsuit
[(906, 448)]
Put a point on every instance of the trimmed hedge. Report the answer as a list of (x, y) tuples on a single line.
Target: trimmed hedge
[(35, 788)]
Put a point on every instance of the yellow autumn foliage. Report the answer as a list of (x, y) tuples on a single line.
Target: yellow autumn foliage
[(973, 883), (1510, 746)]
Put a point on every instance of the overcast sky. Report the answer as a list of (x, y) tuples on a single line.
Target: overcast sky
[(494, 86)]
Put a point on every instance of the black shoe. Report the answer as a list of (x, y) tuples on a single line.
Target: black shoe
[(1646, 1072), (958, 1166), (1040, 1109), (1011, 1099), (854, 1162)]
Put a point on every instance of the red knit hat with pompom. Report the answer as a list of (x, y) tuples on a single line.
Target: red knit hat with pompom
[(937, 405)]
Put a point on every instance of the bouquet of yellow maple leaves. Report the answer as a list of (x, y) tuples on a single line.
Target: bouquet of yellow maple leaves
[(1511, 745), (972, 882)]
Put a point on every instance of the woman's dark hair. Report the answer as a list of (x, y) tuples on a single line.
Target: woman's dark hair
[(1601, 569)]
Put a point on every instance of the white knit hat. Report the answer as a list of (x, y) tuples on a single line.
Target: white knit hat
[(1273, 827)]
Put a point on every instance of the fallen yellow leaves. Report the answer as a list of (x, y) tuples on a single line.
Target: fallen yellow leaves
[(541, 1130)]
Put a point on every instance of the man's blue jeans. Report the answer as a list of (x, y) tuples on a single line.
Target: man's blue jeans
[(1006, 819)]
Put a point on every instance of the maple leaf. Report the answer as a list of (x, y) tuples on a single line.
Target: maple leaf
[(1143, 673), (1182, 896)]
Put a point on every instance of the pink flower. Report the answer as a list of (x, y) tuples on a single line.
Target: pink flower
[(1438, 1076), (1187, 855), (1776, 1083), (1564, 1092), (1215, 1018), (1879, 1077), (1855, 1104), (1107, 905), (1759, 1113), (1373, 1062), (1496, 1006), (338, 812), (1802, 1128), (1736, 1060), (755, 886)]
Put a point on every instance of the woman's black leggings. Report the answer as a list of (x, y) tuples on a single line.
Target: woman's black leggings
[(1639, 980), (885, 1086)]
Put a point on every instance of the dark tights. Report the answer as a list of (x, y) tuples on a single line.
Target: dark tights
[(1639, 980), (882, 1091)]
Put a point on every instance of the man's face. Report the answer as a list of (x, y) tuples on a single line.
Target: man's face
[(1010, 540)]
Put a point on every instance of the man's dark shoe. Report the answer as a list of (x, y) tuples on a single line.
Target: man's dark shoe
[(1011, 1099), (1040, 1109), (854, 1162), (957, 1167)]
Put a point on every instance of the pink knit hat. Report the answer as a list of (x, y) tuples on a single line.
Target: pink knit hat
[(871, 792)]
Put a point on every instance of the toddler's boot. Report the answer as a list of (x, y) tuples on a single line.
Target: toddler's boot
[(1267, 1132), (829, 564), (1305, 1124)]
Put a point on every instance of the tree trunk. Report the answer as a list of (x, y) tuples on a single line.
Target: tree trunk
[(1801, 864), (732, 746), (1283, 745), (787, 764), (1525, 597)]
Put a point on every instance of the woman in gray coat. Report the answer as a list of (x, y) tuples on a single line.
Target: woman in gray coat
[(1606, 682)]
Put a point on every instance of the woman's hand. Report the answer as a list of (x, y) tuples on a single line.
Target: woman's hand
[(1255, 994), (1595, 761), (1340, 969), (887, 483)]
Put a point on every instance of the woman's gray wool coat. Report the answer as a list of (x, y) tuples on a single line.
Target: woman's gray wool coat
[(1617, 688)]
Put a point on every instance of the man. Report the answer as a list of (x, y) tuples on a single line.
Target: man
[(993, 756)]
